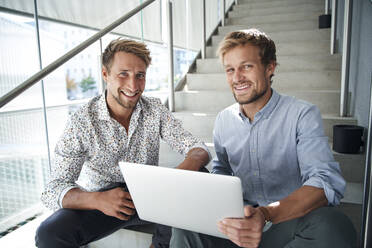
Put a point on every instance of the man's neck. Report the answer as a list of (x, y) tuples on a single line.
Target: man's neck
[(251, 109), (120, 114)]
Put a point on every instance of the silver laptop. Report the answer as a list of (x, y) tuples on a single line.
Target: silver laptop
[(189, 200)]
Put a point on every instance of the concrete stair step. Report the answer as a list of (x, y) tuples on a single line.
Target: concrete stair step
[(260, 9), (287, 63), (307, 80), (289, 48), (206, 101), (352, 166), (271, 3), (273, 18), (272, 27), (281, 2), (353, 193), (288, 36)]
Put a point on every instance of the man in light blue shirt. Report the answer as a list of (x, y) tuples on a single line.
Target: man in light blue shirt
[(276, 145)]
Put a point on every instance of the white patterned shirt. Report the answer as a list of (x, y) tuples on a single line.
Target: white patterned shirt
[(93, 143)]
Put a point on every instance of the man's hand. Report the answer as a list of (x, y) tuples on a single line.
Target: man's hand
[(116, 202), (245, 232)]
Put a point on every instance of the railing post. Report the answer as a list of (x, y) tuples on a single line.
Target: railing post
[(203, 48), (326, 11), (345, 58), (366, 237), (42, 83), (333, 26), (223, 13), (170, 54), (103, 84)]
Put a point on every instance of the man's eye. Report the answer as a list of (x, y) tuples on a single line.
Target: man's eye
[(229, 70), (123, 74), (141, 76), (247, 67)]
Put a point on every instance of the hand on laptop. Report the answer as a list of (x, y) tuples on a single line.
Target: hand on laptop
[(117, 203), (245, 232)]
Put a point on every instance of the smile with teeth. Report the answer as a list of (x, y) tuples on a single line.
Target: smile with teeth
[(129, 94), (241, 87)]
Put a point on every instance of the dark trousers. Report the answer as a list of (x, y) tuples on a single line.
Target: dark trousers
[(322, 228), (71, 228)]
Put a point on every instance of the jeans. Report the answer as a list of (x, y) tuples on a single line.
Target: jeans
[(324, 227), (72, 228)]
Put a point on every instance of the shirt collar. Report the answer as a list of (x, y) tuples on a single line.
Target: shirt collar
[(266, 110), (103, 112)]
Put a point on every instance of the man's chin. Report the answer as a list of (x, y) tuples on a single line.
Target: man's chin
[(129, 104)]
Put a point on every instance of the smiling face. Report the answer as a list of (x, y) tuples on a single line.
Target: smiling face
[(248, 78), (125, 81)]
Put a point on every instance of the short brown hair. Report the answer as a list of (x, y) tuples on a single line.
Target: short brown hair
[(129, 46), (249, 36)]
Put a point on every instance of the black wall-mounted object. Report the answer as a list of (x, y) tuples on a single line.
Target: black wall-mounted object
[(325, 21), (347, 138)]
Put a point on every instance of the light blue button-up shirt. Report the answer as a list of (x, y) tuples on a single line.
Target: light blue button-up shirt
[(282, 149)]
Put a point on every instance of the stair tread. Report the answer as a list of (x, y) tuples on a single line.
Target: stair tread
[(353, 193)]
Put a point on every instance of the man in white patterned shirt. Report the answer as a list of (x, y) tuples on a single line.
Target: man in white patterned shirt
[(119, 125)]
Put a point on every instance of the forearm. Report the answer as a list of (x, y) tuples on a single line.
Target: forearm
[(195, 159), (297, 204), (78, 199)]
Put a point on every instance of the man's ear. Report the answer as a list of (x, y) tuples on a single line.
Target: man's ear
[(270, 68), (105, 73)]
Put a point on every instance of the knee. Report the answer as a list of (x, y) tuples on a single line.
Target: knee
[(333, 225), (44, 234), (55, 230)]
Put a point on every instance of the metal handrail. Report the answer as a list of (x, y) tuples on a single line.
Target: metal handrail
[(333, 26), (64, 58)]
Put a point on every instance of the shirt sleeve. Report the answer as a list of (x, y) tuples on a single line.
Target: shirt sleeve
[(179, 139), (68, 162), (220, 164), (317, 165)]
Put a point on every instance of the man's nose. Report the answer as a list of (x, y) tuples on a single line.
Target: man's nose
[(132, 84), (237, 76)]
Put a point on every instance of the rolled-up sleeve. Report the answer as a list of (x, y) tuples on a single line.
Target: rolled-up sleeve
[(315, 158), (179, 139), (68, 162)]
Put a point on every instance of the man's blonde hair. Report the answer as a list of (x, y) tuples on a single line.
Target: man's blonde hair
[(123, 45), (249, 36)]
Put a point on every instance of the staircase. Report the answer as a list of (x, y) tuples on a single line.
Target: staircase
[(306, 70)]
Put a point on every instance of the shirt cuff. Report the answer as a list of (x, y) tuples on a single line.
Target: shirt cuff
[(63, 193), (204, 147)]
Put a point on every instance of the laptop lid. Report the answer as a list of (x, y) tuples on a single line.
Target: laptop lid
[(189, 200)]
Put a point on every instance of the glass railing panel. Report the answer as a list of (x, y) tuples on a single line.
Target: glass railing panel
[(78, 78), (23, 150), (23, 162), (18, 57)]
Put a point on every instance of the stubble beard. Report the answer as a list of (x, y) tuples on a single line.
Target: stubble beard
[(254, 97), (127, 105)]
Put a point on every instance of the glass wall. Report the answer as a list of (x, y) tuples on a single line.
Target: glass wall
[(23, 150)]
